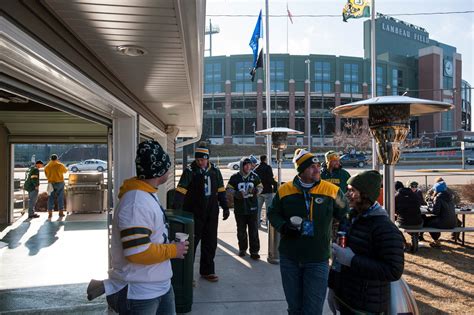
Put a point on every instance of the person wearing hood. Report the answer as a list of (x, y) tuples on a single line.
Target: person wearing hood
[(444, 215), (333, 172), (373, 256), (140, 275), (245, 186), (305, 248), (201, 191)]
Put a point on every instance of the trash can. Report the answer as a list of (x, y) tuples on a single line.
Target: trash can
[(182, 280)]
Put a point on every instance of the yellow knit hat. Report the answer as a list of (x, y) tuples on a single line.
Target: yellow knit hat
[(303, 159)]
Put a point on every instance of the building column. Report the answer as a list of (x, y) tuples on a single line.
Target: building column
[(228, 110), (457, 82), (430, 81), (337, 102), (125, 138), (291, 109), (365, 95), (259, 139), (6, 185), (388, 90), (307, 137)]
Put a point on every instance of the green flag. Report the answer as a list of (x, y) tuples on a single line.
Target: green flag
[(356, 9)]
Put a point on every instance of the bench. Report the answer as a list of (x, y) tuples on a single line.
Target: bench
[(414, 234)]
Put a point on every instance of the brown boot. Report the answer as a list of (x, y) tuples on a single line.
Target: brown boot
[(50, 214), (61, 213)]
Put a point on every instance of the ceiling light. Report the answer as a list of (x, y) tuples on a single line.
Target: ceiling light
[(132, 51)]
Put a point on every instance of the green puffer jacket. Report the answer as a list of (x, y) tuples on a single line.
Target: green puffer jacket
[(328, 202), (338, 177)]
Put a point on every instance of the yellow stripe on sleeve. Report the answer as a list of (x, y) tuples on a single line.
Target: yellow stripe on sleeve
[(182, 190), (155, 254), (221, 189)]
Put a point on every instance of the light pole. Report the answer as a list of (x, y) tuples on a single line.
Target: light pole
[(279, 143), (308, 103), (212, 29)]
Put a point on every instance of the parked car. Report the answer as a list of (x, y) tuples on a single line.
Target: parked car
[(470, 161), (88, 165), (236, 165), (356, 160)]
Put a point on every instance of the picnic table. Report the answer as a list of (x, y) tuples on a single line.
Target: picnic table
[(427, 210)]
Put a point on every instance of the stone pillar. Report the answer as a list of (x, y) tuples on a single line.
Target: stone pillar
[(337, 102), (260, 109), (228, 110)]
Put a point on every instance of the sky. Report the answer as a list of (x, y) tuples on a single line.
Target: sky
[(329, 35)]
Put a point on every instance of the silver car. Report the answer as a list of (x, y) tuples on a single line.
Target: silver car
[(88, 165)]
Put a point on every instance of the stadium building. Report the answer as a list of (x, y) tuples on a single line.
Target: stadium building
[(408, 62)]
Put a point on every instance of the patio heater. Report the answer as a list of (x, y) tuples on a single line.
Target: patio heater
[(389, 123), (279, 143)]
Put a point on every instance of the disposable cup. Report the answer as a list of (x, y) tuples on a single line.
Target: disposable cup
[(181, 237), (296, 221)]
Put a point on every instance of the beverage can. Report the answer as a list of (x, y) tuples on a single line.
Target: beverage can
[(341, 239)]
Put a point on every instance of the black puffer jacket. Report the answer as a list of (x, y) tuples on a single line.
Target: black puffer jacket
[(443, 208), (378, 247), (407, 207)]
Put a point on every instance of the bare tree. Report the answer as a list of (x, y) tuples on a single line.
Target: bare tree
[(354, 135)]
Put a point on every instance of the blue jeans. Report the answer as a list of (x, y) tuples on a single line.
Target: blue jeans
[(32, 197), (58, 190), (162, 305), (267, 198), (305, 285)]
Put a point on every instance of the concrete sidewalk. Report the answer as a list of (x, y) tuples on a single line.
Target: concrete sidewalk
[(46, 266)]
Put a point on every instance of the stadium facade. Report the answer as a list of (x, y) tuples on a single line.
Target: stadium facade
[(408, 62)]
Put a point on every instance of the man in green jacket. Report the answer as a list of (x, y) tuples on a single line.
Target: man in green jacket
[(305, 248), (31, 185), (333, 172), (245, 186)]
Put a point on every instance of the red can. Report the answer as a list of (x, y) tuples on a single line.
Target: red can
[(341, 239)]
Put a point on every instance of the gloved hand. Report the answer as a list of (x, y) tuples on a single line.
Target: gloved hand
[(225, 214), (290, 230), (343, 255)]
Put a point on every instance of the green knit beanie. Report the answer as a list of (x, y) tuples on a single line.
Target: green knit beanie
[(367, 182)]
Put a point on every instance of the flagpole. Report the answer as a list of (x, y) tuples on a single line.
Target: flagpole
[(267, 80), (373, 67), (287, 28)]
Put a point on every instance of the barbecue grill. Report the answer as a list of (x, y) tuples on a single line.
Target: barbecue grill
[(85, 192)]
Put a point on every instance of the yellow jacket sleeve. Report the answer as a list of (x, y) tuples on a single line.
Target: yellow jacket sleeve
[(155, 254)]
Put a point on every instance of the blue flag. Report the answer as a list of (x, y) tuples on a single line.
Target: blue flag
[(257, 33)]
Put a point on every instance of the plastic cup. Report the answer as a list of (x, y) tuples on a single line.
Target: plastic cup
[(296, 221), (181, 237)]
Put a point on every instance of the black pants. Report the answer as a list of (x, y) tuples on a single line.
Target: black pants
[(250, 221), (205, 231)]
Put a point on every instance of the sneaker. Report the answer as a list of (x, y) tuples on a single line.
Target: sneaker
[(255, 256), (242, 253), (95, 289), (50, 214), (33, 216), (61, 213)]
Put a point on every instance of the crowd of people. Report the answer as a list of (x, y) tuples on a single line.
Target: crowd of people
[(306, 211)]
